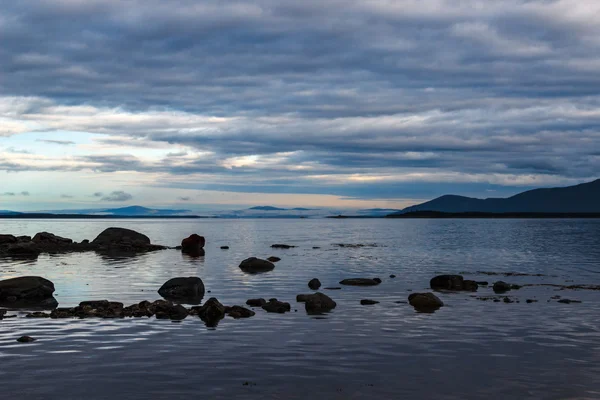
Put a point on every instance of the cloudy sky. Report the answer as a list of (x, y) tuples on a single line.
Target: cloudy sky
[(366, 103)]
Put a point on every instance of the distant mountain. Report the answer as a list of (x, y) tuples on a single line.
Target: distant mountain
[(267, 208), (130, 211), (8, 212), (583, 198)]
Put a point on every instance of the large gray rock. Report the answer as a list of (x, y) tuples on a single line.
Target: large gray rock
[(189, 290), (254, 265), (121, 236), (317, 302), (425, 302)]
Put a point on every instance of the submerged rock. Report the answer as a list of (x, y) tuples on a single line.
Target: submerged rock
[(26, 339), (273, 259), (211, 312), (224, 247), (424, 302), (368, 302), (239, 312), (317, 302), (276, 306), (188, 290), (314, 284), (361, 281), (255, 265), (568, 301), (282, 246), (501, 287), (256, 302), (452, 282)]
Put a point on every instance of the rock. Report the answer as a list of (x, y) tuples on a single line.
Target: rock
[(188, 290), (26, 339), (23, 250), (256, 302), (482, 283), (470, 286), (31, 289), (316, 247), (568, 301), (501, 287), (282, 246), (120, 236), (50, 238), (392, 276), (224, 247), (211, 312), (333, 288), (7, 239), (368, 302), (38, 314), (239, 312), (447, 282), (275, 306), (424, 302), (255, 265), (361, 281), (85, 241), (515, 287), (178, 312), (193, 243), (317, 302), (528, 301), (507, 300), (314, 284), (273, 259)]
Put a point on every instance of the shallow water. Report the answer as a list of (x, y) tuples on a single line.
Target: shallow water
[(468, 349)]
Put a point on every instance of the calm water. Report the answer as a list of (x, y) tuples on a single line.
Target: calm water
[(469, 349)]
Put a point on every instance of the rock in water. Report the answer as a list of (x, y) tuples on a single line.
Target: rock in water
[(33, 290), (317, 302), (368, 302), (361, 281), (50, 238), (188, 290), (254, 265), (273, 259), (256, 302), (25, 339), (501, 287), (425, 302), (447, 282), (239, 312), (314, 284), (7, 239), (211, 312), (224, 247), (121, 236), (276, 306), (194, 245), (282, 246)]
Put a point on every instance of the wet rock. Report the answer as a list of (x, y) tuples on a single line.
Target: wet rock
[(276, 306), (38, 314), (273, 259), (515, 287), (317, 302), (368, 302), (256, 302), (178, 312), (30, 289), (483, 283), (23, 250), (355, 245), (568, 301), (211, 312), (333, 288), (507, 300), (392, 276), (7, 239), (361, 281), (452, 282), (188, 290), (50, 239), (282, 246), (314, 284), (26, 339), (316, 247), (256, 265), (85, 241), (529, 301), (121, 236), (24, 239), (224, 247), (425, 302), (501, 287), (193, 245), (239, 312)]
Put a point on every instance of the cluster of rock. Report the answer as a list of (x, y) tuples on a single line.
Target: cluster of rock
[(111, 240)]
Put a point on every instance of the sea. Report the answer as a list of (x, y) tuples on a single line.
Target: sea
[(468, 349)]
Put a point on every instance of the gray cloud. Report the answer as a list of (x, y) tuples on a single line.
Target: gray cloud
[(66, 196), (25, 193), (12, 194), (118, 195), (9, 194), (98, 194), (59, 142), (483, 93), (184, 198)]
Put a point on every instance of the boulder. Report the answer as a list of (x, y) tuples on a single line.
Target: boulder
[(23, 250), (193, 243), (470, 286), (282, 246), (368, 302), (211, 312), (317, 302), (224, 247), (188, 290), (25, 339), (7, 239), (314, 284), (447, 282), (273, 259), (121, 236), (255, 265), (256, 302), (26, 288), (178, 312), (50, 238), (239, 312), (501, 287), (361, 281), (425, 302), (276, 306)]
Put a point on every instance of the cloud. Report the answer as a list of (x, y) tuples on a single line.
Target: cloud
[(66, 196), (98, 194), (12, 194), (25, 193), (59, 142), (184, 198), (118, 195), (9, 194)]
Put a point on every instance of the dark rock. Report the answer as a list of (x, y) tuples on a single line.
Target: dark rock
[(273, 259), (275, 306), (239, 312), (273, 299), (501, 287), (255, 265), (355, 245), (316, 247), (424, 302), (482, 283), (528, 301), (7, 239), (23, 250), (314, 284), (211, 312), (361, 281), (507, 300), (568, 301), (515, 287), (368, 302), (447, 282), (194, 244), (38, 314), (26, 339), (188, 290), (470, 286), (178, 312), (317, 302), (31, 289), (121, 236), (282, 246), (256, 302), (85, 241), (50, 238), (392, 276), (224, 247), (333, 288)]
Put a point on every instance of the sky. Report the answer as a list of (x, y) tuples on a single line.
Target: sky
[(360, 104)]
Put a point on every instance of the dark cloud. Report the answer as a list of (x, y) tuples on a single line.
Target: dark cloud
[(66, 196), (184, 198), (98, 194), (59, 142), (9, 194), (12, 194), (25, 193), (118, 195), (482, 93)]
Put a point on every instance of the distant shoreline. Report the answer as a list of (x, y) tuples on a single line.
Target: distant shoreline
[(88, 216), (524, 215)]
